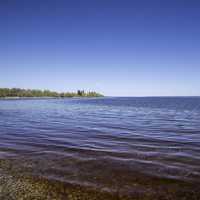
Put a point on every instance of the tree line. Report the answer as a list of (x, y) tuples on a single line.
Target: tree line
[(17, 92)]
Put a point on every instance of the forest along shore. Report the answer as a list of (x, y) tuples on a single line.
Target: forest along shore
[(16, 93)]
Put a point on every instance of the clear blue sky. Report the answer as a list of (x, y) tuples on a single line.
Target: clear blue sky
[(116, 47)]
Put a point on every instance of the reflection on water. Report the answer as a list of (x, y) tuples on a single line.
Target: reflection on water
[(85, 141)]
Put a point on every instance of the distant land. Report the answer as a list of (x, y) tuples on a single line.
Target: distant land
[(22, 93)]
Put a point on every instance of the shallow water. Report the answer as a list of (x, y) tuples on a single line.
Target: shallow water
[(102, 142)]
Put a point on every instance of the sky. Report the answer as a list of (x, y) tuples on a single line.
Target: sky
[(115, 47)]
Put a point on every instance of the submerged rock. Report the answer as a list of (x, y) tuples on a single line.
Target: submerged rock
[(16, 184)]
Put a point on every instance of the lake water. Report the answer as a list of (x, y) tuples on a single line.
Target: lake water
[(103, 142)]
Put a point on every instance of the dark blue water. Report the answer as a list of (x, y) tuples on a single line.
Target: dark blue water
[(86, 140)]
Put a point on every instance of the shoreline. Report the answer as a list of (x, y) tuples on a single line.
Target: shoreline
[(32, 98), (36, 93), (21, 183), (29, 98)]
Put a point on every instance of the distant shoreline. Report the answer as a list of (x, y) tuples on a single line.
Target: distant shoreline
[(32, 98), (18, 93), (14, 98)]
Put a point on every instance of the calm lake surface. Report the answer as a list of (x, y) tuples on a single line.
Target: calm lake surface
[(103, 142)]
